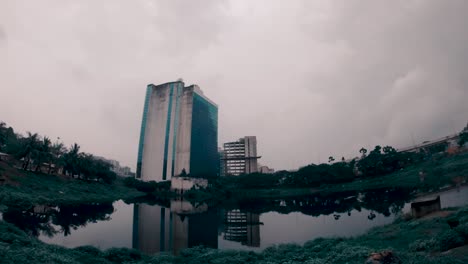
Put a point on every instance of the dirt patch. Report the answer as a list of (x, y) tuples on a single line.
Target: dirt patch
[(459, 252), (438, 214)]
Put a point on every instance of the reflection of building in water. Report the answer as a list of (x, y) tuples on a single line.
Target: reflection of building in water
[(242, 227), (157, 229)]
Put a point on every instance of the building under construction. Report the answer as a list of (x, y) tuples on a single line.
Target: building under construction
[(239, 157)]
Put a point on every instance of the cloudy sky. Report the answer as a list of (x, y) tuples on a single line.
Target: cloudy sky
[(309, 78)]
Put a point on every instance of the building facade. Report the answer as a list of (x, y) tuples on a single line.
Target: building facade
[(239, 157), (179, 133)]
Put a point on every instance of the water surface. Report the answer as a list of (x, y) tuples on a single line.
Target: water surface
[(252, 225)]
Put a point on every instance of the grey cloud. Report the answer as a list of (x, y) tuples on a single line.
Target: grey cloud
[(309, 78), (3, 35)]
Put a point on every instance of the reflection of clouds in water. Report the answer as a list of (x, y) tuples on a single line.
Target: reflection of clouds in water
[(116, 232), (276, 227)]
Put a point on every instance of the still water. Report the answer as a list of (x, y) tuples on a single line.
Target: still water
[(249, 225)]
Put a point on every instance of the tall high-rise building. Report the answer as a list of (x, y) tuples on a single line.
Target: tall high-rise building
[(239, 157), (179, 133)]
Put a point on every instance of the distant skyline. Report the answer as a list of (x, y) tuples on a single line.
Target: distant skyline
[(309, 79)]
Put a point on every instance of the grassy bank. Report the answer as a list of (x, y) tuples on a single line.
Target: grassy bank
[(416, 241), (25, 189)]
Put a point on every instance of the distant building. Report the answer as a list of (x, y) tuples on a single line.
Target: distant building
[(115, 167), (239, 157), (179, 133), (265, 169)]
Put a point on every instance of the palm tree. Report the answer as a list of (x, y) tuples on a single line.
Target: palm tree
[(3, 134), (30, 144), (42, 152), (57, 152), (71, 159), (363, 151)]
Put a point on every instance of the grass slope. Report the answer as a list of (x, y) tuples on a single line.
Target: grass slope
[(25, 189)]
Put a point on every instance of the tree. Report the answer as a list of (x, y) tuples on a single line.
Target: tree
[(3, 136), (363, 151), (29, 147), (463, 138), (57, 152), (331, 159), (42, 153), (70, 160)]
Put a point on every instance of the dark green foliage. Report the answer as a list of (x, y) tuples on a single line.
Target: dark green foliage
[(463, 138), (89, 250), (250, 181), (121, 255), (434, 149), (450, 239), (382, 161), (463, 230), (147, 187), (424, 245), (315, 175)]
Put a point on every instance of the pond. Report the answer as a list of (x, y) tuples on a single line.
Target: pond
[(247, 225)]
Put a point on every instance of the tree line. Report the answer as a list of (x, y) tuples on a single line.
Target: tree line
[(38, 153), (375, 163)]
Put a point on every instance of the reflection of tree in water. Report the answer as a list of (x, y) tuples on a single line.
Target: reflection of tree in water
[(65, 217), (383, 201), (75, 216), (32, 223)]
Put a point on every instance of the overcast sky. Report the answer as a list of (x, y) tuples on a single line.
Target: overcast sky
[(310, 79)]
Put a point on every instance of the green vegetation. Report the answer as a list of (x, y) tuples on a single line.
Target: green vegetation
[(25, 189), (413, 241), (35, 153), (463, 138), (428, 174)]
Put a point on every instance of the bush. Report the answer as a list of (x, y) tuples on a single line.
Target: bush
[(90, 250), (121, 255), (146, 187), (463, 231), (423, 245), (450, 239)]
